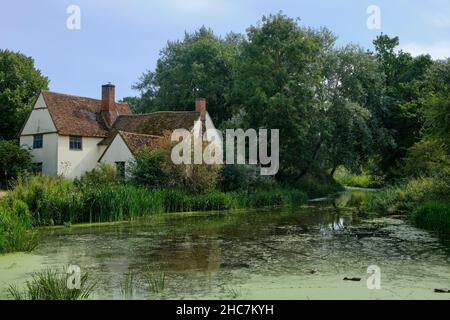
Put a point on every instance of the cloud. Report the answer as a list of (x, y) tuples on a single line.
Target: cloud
[(438, 49)]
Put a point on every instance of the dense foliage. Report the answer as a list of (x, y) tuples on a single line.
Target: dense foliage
[(14, 160)]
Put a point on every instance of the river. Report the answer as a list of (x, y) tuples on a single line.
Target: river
[(281, 253)]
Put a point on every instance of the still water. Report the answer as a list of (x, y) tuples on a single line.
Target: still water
[(282, 253)]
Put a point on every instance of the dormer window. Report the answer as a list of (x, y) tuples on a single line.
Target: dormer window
[(38, 141), (75, 143)]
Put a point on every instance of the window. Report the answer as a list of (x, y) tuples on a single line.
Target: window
[(38, 141), (75, 143), (120, 165), (36, 168)]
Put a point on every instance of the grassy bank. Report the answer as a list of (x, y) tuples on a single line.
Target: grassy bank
[(426, 201), (55, 201), (44, 201)]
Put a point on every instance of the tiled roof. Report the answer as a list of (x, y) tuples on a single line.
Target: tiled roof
[(136, 141), (157, 122), (81, 116)]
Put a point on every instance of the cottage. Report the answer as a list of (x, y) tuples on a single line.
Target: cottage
[(69, 135)]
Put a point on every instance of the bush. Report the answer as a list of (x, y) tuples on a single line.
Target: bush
[(362, 180), (14, 161), (148, 168), (406, 195), (425, 158), (433, 215), (104, 173), (16, 231), (51, 200), (244, 177)]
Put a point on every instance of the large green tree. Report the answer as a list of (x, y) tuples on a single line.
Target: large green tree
[(437, 103), (404, 80), (201, 65), (20, 83), (353, 91)]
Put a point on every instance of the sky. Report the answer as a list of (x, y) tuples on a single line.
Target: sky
[(119, 40)]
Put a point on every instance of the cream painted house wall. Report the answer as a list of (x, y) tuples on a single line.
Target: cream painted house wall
[(117, 152), (40, 122), (73, 163), (48, 154)]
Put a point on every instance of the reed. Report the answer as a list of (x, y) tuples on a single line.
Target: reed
[(62, 202), (51, 285), (433, 215), (156, 281)]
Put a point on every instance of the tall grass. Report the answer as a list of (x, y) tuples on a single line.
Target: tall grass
[(16, 232), (433, 215), (127, 288), (58, 201), (51, 285), (405, 196), (156, 281)]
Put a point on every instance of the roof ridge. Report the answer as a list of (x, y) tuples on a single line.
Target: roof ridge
[(155, 112), (69, 95), (139, 134), (75, 96)]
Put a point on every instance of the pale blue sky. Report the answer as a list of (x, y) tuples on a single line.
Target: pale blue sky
[(119, 40)]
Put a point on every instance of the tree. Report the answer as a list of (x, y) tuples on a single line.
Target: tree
[(437, 104), (277, 86), (201, 65), (20, 83), (353, 93), (14, 160), (404, 80)]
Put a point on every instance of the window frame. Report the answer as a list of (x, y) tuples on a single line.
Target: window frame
[(76, 143), (38, 143)]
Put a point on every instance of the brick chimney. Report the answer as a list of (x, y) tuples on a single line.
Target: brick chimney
[(200, 106), (109, 111)]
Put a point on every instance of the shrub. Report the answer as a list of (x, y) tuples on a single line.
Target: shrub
[(14, 161), (406, 195), (244, 177), (362, 180), (104, 173), (51, 200), (148, 168), (425, 158), (433, 215)]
